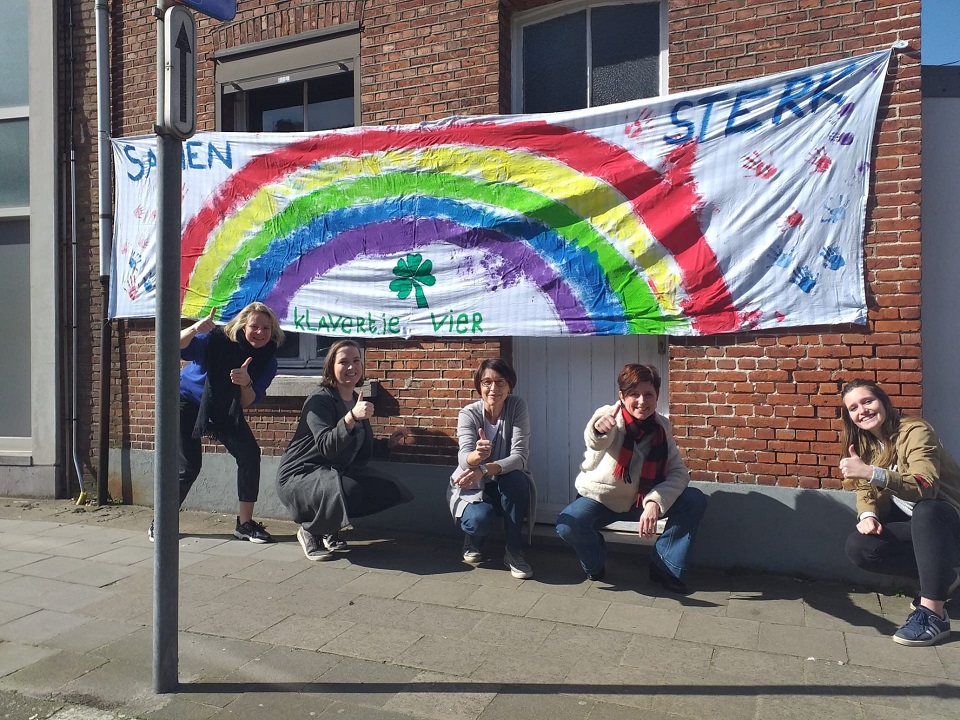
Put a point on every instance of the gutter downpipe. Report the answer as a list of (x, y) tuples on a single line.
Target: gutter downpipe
[(74, 415), (106, 239)]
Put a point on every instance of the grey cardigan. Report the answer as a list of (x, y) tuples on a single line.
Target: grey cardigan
[(510, 450)]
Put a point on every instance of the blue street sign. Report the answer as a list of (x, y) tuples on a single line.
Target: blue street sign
[(217, 9)]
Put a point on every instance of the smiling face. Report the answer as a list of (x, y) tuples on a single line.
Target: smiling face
[(866, 410), (640, 400), (494, 389), (348, 367), (258, 329)]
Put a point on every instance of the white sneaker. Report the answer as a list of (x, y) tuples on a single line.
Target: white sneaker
[(519, 567), (471, 554), (333, 543)]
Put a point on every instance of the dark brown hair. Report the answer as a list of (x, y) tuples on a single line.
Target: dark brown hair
[(329, 378), (634, 373), (501, 367)]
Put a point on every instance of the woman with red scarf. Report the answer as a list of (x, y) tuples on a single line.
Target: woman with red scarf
[(632, 472)]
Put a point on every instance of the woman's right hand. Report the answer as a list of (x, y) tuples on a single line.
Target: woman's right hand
[(605, 423), (483, 449), (869, 526), (363, 410)]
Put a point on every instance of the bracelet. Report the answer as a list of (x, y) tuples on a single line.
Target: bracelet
[(879, 477), (249, 384), (353, 416)]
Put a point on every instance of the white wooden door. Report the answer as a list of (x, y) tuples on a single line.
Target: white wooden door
[(563, 381)]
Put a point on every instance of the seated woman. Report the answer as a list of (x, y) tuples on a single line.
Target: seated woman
[(229, 369), (908, 505), (632, 472), (492, 478), (324, 479)]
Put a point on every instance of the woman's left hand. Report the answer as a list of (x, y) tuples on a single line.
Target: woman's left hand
[(648, 520), (398, 437), (240, 376), (468, 478), (853, 468)]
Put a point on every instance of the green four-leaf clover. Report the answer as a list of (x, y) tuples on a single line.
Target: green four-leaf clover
[(412, 274)]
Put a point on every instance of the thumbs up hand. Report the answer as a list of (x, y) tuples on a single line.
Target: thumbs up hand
[(205, 325), (854, 468), (484, 447), (363, 410), (241, 376), (606, 423)]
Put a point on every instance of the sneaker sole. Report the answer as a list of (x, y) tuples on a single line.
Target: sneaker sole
[(316, 557), (258, 541), (922, 643), (519, 574), (472, 559)]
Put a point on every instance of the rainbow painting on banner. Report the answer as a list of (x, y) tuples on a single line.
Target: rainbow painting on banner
[(726, 210)]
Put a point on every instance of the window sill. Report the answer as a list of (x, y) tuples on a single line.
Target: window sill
[(22, 459), (299, 386)]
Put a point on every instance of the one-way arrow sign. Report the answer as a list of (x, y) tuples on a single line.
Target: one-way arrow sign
[(180, 72)]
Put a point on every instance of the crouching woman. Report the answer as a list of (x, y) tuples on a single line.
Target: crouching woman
[(632, 471)]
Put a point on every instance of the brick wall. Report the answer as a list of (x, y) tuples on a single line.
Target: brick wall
[(763, 408), (757, 408)]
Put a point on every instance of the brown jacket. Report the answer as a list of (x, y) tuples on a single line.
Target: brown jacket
[(922, 469)]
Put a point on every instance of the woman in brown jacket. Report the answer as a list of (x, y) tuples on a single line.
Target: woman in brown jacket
[(908, 505)]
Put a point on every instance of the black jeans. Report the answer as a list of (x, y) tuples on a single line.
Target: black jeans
[(924, 546), (241, 444)]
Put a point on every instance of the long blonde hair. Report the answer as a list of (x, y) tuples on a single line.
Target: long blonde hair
[(240, 321)]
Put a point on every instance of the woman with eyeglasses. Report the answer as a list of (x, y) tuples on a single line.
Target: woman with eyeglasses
[(492, 479), (632, 472)]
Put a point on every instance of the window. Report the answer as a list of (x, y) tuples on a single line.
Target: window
[(303, 83), (15, 202), (579, 55)]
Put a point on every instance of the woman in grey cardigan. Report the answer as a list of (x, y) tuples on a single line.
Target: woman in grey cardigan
[(324, 479), (492, 479)]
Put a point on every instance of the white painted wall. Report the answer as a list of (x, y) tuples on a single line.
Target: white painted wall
[(563, 381), (940, 218)]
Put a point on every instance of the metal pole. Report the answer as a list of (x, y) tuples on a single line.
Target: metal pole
[(166, 454)]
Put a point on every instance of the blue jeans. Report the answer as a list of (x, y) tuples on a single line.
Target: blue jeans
[(580, 522), (509, 497)]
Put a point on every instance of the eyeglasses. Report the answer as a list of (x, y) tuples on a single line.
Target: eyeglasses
[(487, 384)]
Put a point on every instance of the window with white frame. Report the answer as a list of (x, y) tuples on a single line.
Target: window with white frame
[(15, 364), (574, 55), (301, 83)]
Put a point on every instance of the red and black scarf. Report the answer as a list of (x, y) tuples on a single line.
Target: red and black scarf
[(654, 468)]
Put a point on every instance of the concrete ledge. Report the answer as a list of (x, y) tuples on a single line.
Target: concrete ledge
[(746, 527), (28, 481)]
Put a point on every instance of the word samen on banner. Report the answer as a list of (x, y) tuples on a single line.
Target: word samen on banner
[(725, 210)]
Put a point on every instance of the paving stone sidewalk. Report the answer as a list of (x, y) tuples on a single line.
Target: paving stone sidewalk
[(399, 628)]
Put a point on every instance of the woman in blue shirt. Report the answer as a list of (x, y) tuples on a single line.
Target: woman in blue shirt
[(230, 369)]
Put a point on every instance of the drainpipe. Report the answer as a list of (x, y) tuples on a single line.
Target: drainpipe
[(74, 415), (106, 239)]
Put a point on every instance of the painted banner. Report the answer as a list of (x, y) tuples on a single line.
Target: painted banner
[(731, 209)]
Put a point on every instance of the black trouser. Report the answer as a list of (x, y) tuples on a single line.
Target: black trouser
[(924, 546), (368, 492), (241, 444)]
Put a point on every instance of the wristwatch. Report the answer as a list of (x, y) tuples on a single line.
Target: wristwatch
[(482, 467)]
